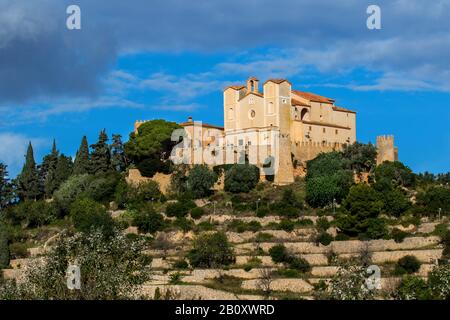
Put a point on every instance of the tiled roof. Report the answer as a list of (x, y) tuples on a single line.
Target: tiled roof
[(296, 102), (206, 125), (277, 81), (235, 87), (342, 109), (313, 97), (255, 93)]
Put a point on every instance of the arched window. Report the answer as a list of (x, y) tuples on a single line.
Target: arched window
[(304, 116)]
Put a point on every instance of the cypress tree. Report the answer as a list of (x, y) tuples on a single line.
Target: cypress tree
[(28, 181), (63, 170), (118, 158), (101, 155), (81, 165), (4, 248), (47, 171), (6, 190)]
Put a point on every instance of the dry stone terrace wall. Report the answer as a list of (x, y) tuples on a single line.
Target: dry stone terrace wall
[(196, 292), (350, 246), (220, 219)]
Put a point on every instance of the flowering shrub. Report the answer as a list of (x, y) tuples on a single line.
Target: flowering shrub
[(349, 283)]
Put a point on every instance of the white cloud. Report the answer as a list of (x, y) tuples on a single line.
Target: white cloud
[(13, 148)]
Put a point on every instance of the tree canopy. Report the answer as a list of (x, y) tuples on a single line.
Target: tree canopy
[(28, 180), (151, 145)]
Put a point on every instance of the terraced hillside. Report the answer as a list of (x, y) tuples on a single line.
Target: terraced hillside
[(254, 275)]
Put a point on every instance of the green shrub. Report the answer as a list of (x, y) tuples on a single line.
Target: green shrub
[(395, 201), (70, 190), (18, 250), (262, 212), (180, 264), (376, 228), (211, 251), (439, 283), (286, 225), (87, 214), (252, 263), (263, 237), (205, 226), (177, 209), (197, 213), (434, 198), (299, 264), (322, 224), (394, 173), (147, 220), (183, 224), (324, 238), (4, 249), (398, 235), (103, 186), (241, 178), (305, 222), (121, 193), (278, 253), (241, 226), (182, 207), (289, 273), (440, 230), (360, 212), (175, 278), (35, 213), (341, 237), (201, 180), (407, 264), (412, 288), (445, 240), (327, 179)]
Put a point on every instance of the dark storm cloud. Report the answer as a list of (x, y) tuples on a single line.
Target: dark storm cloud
[(39, 57)]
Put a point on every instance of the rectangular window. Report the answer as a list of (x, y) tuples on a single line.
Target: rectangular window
[(241, 142), (310, 128), (324, 130), (230, 114), (336, 131)]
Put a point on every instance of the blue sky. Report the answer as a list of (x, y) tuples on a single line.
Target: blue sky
[(171, 59)]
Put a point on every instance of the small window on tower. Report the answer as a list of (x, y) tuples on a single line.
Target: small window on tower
[(336, 131), (284, 101), (271, 109), (230, 114), (241, 142), (324, 130)]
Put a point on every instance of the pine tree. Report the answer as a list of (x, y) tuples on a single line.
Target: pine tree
[(81, 165), (47, 171), (6, 190), (118, 159), (63, 170), (28, 180), (101, 155)]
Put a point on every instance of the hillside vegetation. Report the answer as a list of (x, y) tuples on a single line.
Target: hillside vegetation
[(313, 239)]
